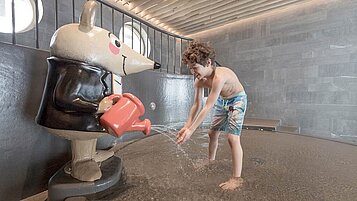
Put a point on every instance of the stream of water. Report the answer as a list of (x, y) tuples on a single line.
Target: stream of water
[(170, 132)]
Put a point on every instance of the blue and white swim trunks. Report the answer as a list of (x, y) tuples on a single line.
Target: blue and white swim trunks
[(229, 114)]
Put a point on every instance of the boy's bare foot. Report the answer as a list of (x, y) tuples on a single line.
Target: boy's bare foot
[(232, 183)]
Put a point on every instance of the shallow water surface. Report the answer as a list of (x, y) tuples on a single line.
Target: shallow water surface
[(275, 167)]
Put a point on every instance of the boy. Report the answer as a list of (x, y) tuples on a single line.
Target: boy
[(228, 94)]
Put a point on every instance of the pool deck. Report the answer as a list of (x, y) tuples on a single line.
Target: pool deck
[(276, 166)]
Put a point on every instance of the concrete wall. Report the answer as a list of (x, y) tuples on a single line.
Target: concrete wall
[(29, 155), (298, 65)]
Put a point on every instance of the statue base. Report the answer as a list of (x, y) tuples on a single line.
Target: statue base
[(62, 186)]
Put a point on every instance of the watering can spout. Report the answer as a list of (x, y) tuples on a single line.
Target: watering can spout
[(144, 126)]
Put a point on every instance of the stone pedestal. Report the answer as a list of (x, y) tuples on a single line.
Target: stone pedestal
[(62, 186)]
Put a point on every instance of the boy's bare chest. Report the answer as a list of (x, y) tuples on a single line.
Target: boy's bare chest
[(226, 90), (207, 83)]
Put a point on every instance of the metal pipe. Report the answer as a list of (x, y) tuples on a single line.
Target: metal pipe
[(36, 27), (13, 21), (174, 55), (132, 33), (122, 26), (56, 14), (154, 45), (168, 53), (113, 20), (181, 56), (101, 15), (147, 41), (141, 38), (160, 49), (73, 11)]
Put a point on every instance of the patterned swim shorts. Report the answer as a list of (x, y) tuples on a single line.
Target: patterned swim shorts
[(229, 114)]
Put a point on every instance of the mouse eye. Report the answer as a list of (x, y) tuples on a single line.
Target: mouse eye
[(114, 40), (117, 43)]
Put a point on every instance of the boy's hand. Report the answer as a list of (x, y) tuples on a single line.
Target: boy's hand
[(183, 135)]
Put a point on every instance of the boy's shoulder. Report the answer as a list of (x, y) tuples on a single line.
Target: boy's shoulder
[(223, 71)]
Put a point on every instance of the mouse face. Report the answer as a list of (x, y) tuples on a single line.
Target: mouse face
[(96, 46)]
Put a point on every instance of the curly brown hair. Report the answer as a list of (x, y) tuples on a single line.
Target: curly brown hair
[(198, 52)]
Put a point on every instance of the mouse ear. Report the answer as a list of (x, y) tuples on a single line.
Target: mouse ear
[(87, 19)]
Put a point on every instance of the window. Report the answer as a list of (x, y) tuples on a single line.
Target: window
[(25, 15), (135, 39)]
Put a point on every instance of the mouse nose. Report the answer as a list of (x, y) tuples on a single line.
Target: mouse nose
[(157, 65)]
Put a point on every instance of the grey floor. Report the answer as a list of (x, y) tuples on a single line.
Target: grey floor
[(276, 167)]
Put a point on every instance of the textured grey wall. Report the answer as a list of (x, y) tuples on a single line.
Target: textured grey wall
[(172, 95), (29, 155), (298, 65)]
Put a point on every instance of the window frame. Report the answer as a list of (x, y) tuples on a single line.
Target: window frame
[(134, 27), (19, 16)]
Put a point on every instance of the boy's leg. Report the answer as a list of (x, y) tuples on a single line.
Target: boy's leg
[(213, 144), (237, 161), (235, 123), (237, 154), (212, 149)]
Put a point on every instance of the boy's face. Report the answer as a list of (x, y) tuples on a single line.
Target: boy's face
[(198, 70)]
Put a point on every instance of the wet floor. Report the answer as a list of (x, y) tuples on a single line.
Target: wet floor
[(276, 167)]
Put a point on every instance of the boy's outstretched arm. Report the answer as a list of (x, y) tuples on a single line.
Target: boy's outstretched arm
[(194, 109), (196, 105), (185, 134)]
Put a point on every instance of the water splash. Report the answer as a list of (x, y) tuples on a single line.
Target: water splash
[(170, 132)]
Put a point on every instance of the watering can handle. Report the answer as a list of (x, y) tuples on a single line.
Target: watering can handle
[(115, 96)]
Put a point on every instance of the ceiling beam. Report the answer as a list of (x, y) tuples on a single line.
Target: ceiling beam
[(238, 16), (197, 10), (165, 7), (209, 14), (187, 5), (230, 13), (184, 6), (192, 16), (146, 5), (222, 12), (211, 25), (135, 3)]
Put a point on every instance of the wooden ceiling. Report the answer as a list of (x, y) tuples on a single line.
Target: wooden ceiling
[(185, 17)]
